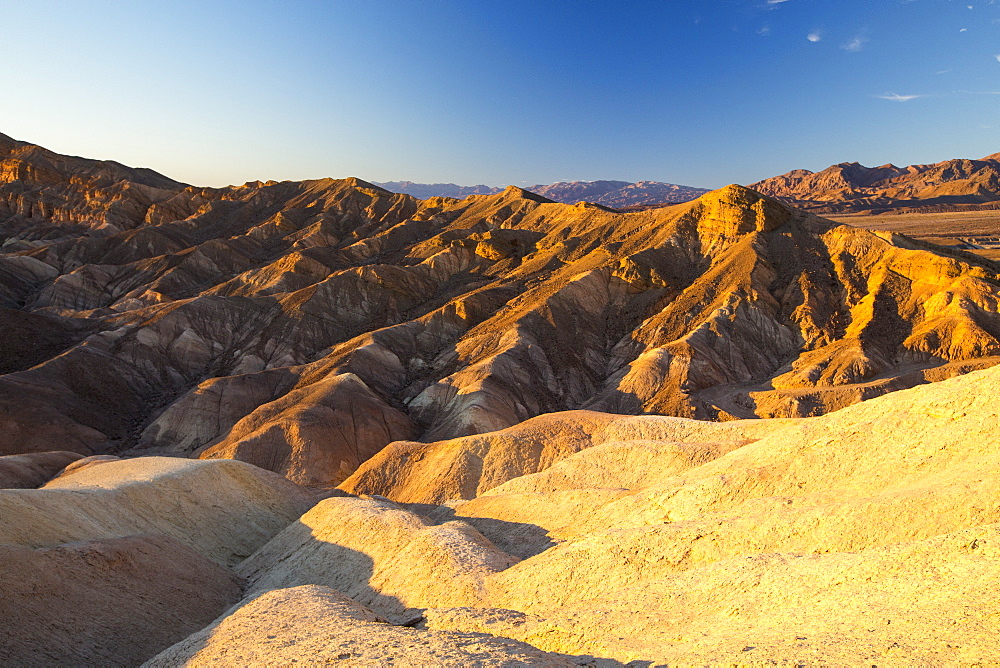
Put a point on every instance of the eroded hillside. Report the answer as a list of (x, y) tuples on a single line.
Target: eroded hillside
[(852, 187), (302, 326)]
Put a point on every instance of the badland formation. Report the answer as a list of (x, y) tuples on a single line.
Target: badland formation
[(345, 424)]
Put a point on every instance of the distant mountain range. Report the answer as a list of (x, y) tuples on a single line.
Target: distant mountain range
[(614, 194), (850, 187)]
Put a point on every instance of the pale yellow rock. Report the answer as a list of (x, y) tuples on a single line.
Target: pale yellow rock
[(224, 509), (315, 625), (866, 535), (463, 468), (380, 555)]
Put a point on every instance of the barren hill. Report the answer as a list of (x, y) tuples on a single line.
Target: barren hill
[(865, 536), (852, 187), (302, 326)]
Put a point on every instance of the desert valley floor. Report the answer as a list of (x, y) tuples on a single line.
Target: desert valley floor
[(321, 422)]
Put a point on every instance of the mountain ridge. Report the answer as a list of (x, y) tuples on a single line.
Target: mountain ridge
[(613, 194), (304, 325), (850, 187)]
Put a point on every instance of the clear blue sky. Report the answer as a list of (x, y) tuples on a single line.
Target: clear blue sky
[(469, 91)]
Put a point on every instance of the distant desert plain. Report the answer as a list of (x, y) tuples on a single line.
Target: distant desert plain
[(322, 422)]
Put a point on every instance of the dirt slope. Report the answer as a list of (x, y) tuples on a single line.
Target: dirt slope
[(112, 602), (223, 510)]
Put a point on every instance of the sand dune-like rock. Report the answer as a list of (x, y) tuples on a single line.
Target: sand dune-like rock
[(319, 625), (33, 470), (847, 537), (841, 517), (112, 602), (224, 510), (463, 468), (380, 555)]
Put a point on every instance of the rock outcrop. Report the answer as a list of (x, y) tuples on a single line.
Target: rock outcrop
[(380, 555)]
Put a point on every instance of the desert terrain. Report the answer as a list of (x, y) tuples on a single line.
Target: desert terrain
[(973, 231), (346, 425)]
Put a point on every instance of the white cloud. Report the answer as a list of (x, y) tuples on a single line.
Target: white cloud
[(997, 57), (964, 30), (856, 44), (776, 2), (814, 36), (895, 97), (764, 30)]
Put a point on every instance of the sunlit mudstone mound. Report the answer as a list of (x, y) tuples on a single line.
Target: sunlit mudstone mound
[(464, 467), (868, 534), (223, 510), (112, 602), (317, 625), (317, 435), (380, 555)]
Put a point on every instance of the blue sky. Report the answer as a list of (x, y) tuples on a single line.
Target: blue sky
[(696, 93)]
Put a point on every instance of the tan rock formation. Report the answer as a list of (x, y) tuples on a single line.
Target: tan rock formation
[(223, 510), (319, 625), (466, 467), (113, 602), (380, 555), (316, 435), (842, 538)]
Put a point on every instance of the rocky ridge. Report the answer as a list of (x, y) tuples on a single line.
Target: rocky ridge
[(303, 326)]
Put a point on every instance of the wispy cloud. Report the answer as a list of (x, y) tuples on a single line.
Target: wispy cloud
[(855, 44), (776, 2), (815, 36), (764, 30), (896, 97), (997, 57)]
